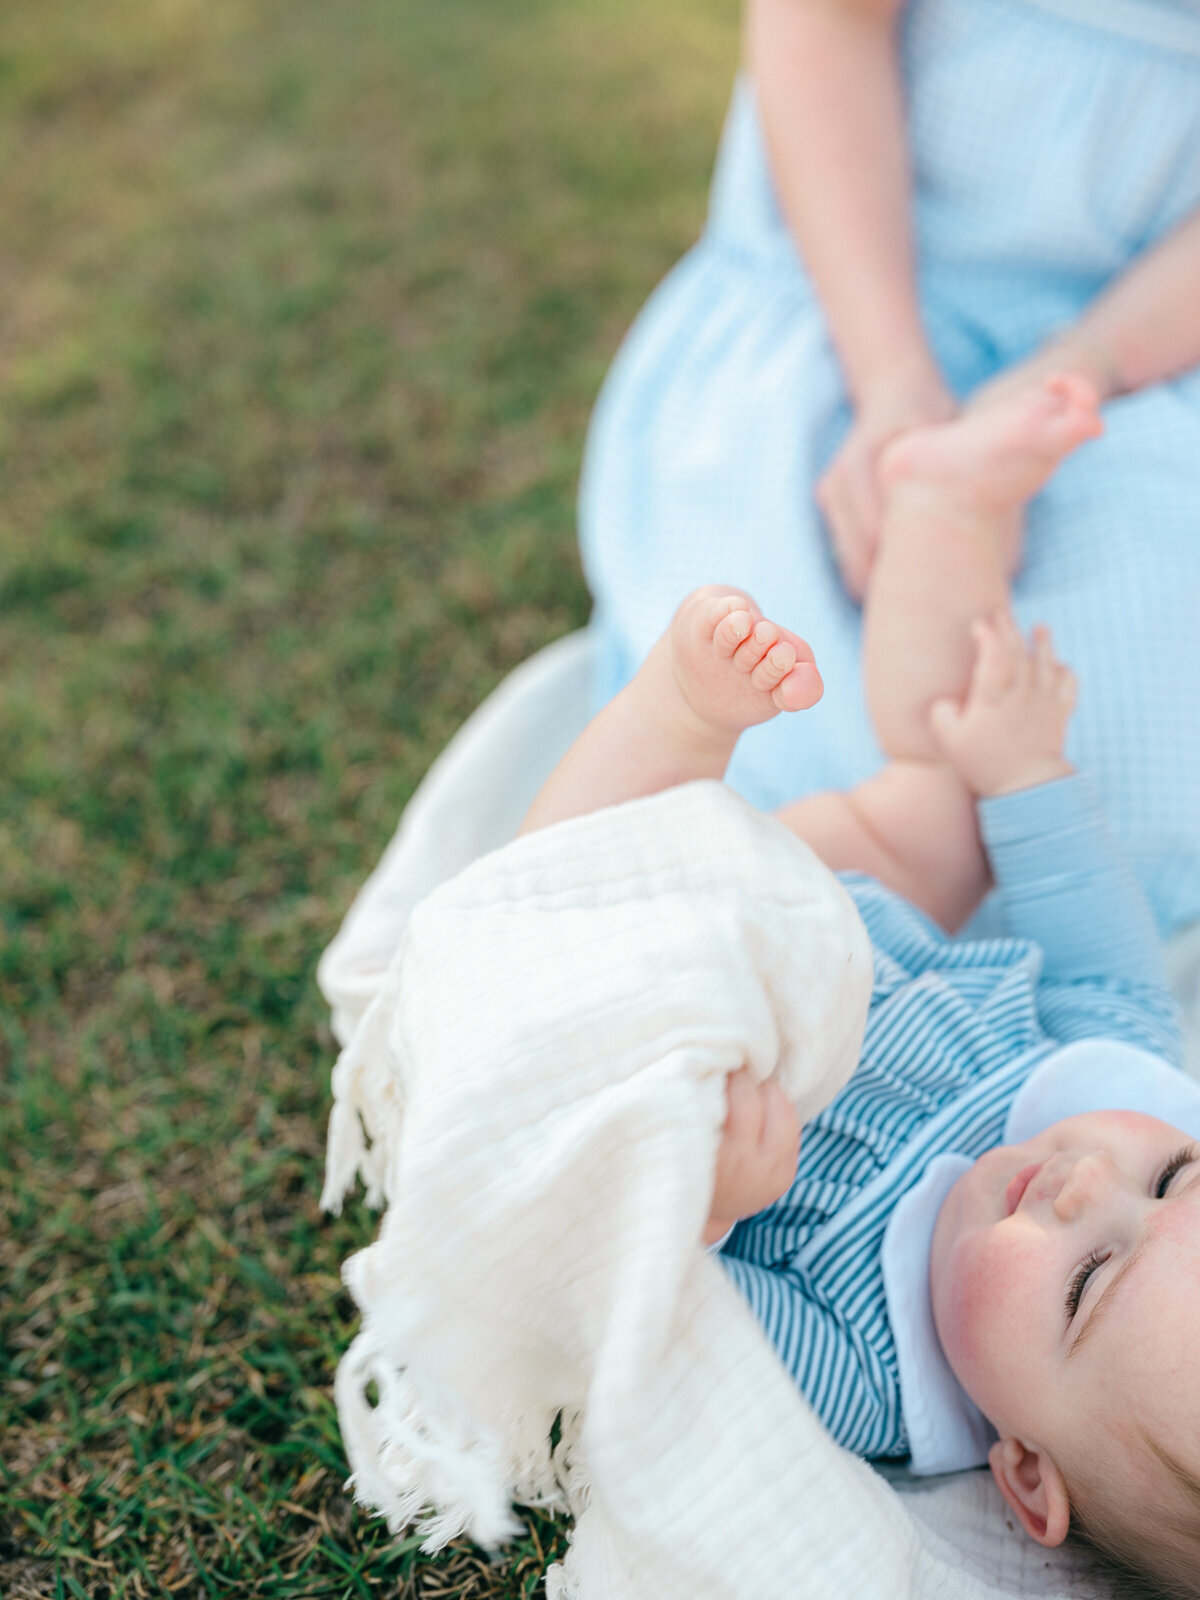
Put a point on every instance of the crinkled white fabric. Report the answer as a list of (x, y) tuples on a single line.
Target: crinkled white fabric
[(542, 1078), (538, 1251), (471, 800)]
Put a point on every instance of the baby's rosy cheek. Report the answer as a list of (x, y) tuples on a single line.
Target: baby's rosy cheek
[(968, 1306), (1177, 1225)]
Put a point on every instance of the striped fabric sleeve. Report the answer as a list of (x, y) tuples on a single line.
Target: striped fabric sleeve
[(1065, 885), (834, 1366)]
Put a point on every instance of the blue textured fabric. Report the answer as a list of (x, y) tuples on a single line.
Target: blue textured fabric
[(952, 1023), (1049, 150)]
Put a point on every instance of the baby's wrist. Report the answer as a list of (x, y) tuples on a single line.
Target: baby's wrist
[(1044, 769)]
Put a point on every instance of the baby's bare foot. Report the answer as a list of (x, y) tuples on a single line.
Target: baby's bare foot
[(722, 666), (982, 468)]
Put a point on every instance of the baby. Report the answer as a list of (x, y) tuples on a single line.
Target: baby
[(989, 1246)]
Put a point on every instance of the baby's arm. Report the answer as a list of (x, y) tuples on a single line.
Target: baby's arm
[(830, 96), (1065, 885), (1144, 328)]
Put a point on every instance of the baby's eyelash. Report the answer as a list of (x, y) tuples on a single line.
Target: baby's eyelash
[(1178, 1161), (1080, 1280)]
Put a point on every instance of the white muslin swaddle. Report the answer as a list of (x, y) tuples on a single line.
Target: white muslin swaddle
[(542, 1081)]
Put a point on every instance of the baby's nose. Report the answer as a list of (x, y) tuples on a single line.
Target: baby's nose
[(1086, 1179)]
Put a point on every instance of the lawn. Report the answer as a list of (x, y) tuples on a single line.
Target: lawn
[(303, 307)]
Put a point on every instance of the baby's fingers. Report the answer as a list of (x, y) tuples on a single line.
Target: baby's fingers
[(1051, 676), (1045, 664), (779, 1141), (996, 661), (780, 1122), (744, 1109), (945, 721), (1067, 687), (758, 1152)]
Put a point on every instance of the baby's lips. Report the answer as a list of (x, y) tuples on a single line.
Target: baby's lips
[(1018, 1184)]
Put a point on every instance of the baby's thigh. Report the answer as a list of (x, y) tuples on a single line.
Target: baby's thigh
[(912, 827)]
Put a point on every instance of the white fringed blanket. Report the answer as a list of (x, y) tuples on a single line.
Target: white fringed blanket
[(537, 1055), (542, 1077)]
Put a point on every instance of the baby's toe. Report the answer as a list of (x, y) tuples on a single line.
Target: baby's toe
[(754, 649), (774, 667), (732, 631), (801, 688)]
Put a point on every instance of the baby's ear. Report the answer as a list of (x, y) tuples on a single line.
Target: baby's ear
[(1033, 1487)]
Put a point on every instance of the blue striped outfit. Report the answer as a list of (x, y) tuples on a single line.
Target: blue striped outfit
[(952, 1024), (1052, 141)]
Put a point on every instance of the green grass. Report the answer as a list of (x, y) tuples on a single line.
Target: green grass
[(303, 307)]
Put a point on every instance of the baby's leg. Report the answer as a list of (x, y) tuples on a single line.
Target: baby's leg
[(954, 493), (720, 667), (912, 826)]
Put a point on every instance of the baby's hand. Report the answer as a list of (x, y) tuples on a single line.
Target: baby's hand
[(1008, 732), (756, 1160)]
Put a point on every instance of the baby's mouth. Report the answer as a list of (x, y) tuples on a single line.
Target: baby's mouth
[(1018, 1185)]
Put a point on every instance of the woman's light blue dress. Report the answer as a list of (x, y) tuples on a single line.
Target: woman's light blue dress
[(1052, 141)]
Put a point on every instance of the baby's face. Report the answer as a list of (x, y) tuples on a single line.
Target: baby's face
[(1065, 1278)]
